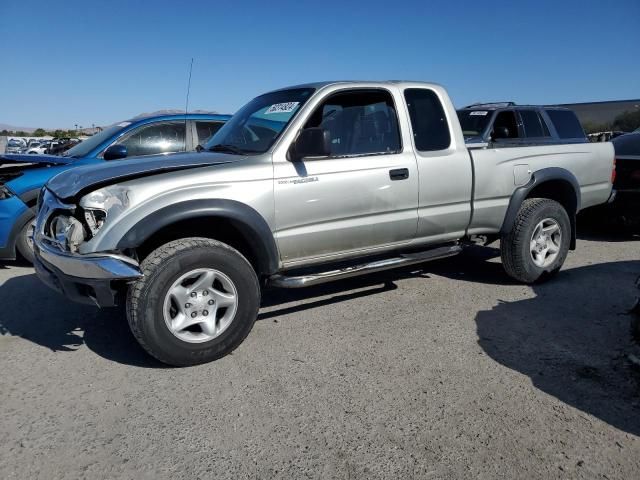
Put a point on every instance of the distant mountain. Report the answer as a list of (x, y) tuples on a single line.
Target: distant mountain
[(4, 126)]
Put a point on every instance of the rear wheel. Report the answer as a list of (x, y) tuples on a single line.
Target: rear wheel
[(197, 301), (24, 242), (538, 244)]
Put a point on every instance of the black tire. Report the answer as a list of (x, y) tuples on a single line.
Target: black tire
[(145, 300), (22, 244), (515, 245)]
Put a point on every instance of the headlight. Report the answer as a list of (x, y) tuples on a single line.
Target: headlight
[(67, 231), (102, 204)]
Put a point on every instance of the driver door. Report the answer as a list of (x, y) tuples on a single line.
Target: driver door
[(361, 198)]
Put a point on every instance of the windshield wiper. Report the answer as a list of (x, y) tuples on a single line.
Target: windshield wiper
[(226, 147)]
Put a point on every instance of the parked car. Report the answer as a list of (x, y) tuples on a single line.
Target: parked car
[(509, 124), (38, 149), (22, 176), (627, 182), (304, 185), (14, 146)]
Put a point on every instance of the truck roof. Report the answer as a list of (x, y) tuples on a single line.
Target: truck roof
[(363, 83)]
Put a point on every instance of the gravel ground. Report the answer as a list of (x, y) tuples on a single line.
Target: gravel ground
[(450, 371)]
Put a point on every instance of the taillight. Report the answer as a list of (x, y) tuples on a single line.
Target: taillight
[(613, 172)]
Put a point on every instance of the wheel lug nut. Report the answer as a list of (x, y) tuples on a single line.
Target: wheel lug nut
[(187, 305), (194, 294), (205, 312), (210, 302), (194, 315), (205, 293)]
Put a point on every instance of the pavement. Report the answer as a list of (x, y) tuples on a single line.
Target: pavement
[(446, 370)]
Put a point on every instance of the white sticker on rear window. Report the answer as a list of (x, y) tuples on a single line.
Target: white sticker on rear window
[(124, 124), (479, 112), (287, 107)]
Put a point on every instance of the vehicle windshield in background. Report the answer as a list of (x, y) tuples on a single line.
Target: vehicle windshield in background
[(257, 125), (473, 122), (84, 148)]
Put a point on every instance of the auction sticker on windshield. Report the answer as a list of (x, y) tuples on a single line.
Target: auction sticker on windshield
[(287, 107), (479, 112)]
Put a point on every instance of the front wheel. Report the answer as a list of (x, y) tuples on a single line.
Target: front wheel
[(538, 244), (197, 301), (24, 242)]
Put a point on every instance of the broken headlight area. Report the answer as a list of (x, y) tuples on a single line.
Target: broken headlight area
[(94, 219), (67, 232)]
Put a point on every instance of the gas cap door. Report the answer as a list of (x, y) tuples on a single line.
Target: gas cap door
[(521, 175)]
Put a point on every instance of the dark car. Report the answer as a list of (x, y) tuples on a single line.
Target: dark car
[(508, 124), (627, 181)]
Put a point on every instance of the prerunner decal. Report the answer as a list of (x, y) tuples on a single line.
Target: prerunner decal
[(287, 107), (482, 113)]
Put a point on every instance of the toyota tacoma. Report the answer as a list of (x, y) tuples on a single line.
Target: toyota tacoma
[(304, 185)]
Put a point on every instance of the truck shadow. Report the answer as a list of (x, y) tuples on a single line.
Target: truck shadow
[(59, 325), (34, 312), (572, 341)]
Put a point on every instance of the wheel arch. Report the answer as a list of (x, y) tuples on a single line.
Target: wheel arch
[(227, 221), (554, 183)]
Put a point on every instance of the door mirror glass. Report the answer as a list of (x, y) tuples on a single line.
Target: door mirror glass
[(312, 142), (115, 152)]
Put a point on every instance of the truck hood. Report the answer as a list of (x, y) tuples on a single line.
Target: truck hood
[(26, 159), (77, 181)]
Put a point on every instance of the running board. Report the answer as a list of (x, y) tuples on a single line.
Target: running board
[(284, 281)]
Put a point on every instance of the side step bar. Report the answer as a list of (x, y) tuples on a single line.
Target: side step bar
[(284, 281)]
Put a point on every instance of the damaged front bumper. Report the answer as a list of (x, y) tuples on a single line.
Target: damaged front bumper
[(97, 279)]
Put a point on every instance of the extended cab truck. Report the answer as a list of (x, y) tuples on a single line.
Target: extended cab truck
[(303, 185), (506, 124)]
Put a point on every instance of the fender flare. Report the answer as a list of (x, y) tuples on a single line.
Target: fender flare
[(538, 178), (248, 221)]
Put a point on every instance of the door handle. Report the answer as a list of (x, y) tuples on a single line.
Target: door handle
[(399, 174)]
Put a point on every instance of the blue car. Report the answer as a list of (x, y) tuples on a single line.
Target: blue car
[(22, 176)]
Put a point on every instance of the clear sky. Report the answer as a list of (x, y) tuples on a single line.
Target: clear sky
[(66, 63)]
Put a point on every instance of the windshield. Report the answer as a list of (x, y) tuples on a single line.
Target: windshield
[(85, 147), (257, 125), (473, 122)]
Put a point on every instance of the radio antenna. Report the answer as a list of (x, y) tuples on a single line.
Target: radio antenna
[(186, 106)]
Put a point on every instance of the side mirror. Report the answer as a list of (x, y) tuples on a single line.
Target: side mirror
[(115, 152), (312, 142), (499, 132)]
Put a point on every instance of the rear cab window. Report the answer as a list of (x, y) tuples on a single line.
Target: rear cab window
[(428, 120), (534, 125), (566, 123)]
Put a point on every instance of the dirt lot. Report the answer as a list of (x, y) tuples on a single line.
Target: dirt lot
[(451, 371)]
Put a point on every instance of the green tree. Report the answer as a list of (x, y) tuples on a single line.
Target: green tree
[(39, 132), (627, 121)]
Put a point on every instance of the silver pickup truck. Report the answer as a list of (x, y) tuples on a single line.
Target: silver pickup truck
[(304, 185)]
